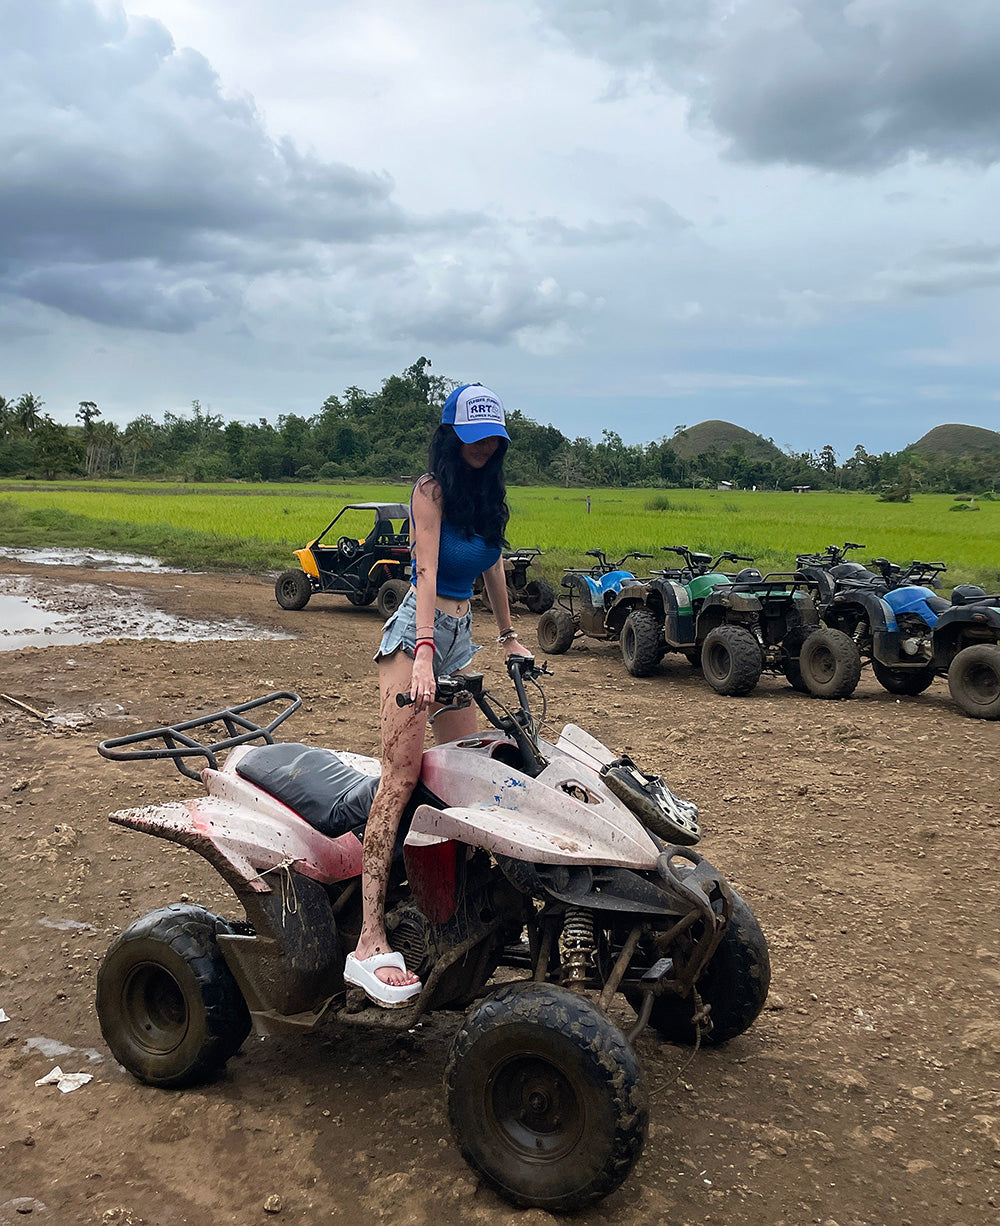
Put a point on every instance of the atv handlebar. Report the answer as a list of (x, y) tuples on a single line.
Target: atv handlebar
[(464, 689)]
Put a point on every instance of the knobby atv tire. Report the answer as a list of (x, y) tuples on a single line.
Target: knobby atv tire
[(974, 680), (538, 596), (168, 1005), (555, 631), (731, 660), (903, 680), (545, 1098), (390, 596), (735, 983), (830, 663), (640, 642), (292, 589)]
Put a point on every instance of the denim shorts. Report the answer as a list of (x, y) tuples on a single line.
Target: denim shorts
[(452, 636)]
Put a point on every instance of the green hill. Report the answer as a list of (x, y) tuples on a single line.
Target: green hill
[(722, 435), (955, 440)]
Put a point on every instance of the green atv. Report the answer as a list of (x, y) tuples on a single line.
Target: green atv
[(736, 626), (374, 567)]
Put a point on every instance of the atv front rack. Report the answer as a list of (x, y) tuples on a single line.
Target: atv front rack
[(178, 745)]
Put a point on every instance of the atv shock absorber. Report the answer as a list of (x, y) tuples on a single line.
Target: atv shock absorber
[(577, 947)]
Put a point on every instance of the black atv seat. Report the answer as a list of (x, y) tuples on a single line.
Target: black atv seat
[(938, 604), (317, 784)]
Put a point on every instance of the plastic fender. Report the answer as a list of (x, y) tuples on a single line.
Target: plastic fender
[(912, 599), (307, 562), (703, 585), (246, 834), (613, 581), (823, 579), (678, 618), (878, 614), (956, 628), (531, 819)]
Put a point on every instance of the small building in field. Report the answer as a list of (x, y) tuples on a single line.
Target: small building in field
[(801, 489)]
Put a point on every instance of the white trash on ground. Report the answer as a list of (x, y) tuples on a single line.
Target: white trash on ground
[(67, 1082)]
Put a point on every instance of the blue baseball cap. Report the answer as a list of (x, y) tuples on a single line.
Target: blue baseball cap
[(475, 413)]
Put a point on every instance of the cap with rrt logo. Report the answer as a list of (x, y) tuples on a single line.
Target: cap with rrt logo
[(475, 413)]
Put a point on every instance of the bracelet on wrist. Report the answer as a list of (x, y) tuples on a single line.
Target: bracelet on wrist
[(507, 636), (425, 643)]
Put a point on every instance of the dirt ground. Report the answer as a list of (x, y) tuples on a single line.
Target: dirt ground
[(864, 834)]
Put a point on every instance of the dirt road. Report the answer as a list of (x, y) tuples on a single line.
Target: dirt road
[(863, 833)]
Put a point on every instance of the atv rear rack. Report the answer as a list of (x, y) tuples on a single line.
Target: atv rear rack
[(177, 745)]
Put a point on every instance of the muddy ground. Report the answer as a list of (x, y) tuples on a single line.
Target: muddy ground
[(864, 834)]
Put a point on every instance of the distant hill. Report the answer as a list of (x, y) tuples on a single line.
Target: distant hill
[(722, 435), (955, 440)]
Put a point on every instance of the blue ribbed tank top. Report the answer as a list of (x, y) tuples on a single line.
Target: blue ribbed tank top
[(461, 560)]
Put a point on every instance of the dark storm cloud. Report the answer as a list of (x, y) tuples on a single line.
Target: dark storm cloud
[(128, 181), (850, 85)]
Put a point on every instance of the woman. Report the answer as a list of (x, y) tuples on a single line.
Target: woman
[(458, 515)]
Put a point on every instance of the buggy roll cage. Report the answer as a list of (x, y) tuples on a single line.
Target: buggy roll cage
[(177, 745), (383, 511)]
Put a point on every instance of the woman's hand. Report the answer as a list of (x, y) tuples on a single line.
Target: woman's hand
[(513, 648), (423, 686)]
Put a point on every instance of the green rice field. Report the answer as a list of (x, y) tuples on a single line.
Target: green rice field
[(246, 527)]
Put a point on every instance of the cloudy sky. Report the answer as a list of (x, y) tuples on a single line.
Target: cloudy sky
[(630, 215)]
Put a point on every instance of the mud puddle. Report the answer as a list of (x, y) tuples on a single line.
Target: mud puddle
[(38, 612), (91, 560)]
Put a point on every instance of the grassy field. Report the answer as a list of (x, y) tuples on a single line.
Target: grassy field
[(256, 527)]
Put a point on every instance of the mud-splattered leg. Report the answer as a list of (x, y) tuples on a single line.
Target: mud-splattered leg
[(403, 731)]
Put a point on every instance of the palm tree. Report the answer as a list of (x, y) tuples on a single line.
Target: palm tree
[(28, 412), (6, 417)]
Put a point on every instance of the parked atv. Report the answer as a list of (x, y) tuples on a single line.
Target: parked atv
[(364, 569), (911, 635), (586, 605), (563, 860), (736, 625), (536, 595)]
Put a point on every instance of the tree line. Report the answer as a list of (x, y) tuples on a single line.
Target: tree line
[(384, 435)]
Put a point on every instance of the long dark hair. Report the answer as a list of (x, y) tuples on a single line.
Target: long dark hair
[(474, 500)]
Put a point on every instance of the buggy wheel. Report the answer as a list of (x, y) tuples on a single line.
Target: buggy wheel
[(640, 642), (735, 983), (390, 596), (555, 631), (731, 660), (292, 589), (361, 599), (545, 1098), (538, 595), (169, 1007), (974, 680), (903, 680), (792, 646), (830, 663)]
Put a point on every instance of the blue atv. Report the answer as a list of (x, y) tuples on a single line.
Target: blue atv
[(589, 604), (911, 635)]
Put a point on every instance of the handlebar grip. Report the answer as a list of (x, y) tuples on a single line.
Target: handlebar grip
[(404, 700)]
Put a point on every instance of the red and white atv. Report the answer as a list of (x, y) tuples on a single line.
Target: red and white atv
[(532, 882)]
